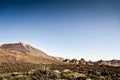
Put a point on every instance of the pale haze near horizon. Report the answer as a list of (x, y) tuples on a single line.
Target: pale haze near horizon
[(86, 29)]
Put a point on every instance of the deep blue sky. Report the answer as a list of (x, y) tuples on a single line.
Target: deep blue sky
[(87, 29)]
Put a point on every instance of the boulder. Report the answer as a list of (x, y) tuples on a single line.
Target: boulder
[(101, 78), (55, 74), (66, 60), (76, 75), (88, 79), (21, 77), (73, 75), (74, 61), (67, 71)]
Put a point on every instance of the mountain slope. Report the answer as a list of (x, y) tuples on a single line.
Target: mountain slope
[(23, 48), (22, 52), (9, 57)]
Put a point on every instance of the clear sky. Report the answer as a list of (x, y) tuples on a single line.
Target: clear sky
[(88, 29)]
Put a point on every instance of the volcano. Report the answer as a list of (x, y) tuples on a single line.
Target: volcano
[(23, 52)]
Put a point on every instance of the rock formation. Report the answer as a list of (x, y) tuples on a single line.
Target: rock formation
[(100, 62)]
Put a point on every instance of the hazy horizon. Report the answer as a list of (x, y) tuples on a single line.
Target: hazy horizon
[(88, 29)]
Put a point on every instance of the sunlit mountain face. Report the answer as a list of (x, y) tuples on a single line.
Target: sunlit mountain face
[(25, 53)]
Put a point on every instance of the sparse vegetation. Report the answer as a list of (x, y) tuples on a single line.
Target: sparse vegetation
[(27, 71)]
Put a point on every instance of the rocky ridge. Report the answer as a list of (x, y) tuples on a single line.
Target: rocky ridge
[(100, 62)]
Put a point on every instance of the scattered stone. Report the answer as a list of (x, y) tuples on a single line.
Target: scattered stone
[(88, 79), (101, 78), (55, 74), (16, 74), (31, 72), (22, 77), (67, 71), (73, 75)]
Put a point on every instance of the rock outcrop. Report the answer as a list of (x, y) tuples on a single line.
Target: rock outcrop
[(110, 62), (75, 61), (100, 62)]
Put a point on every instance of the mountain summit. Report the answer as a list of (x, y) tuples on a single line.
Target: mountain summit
[(21, 50)]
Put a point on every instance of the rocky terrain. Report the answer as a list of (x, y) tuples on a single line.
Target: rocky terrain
[(20, 61), (57, 71), (100, 62)]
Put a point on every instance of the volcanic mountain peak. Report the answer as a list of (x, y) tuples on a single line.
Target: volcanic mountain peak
[(23, 48), (22, 43)]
